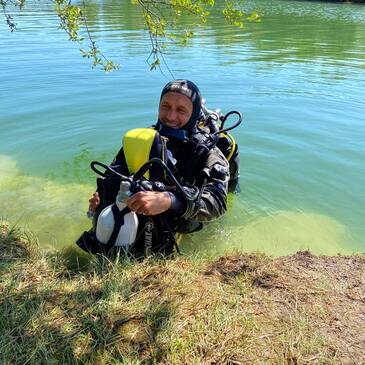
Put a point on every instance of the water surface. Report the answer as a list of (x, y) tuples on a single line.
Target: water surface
[(298, 77)]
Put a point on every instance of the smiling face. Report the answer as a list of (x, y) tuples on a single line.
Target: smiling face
[(175, 110)]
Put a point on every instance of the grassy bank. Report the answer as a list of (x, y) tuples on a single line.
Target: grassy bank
[(60, 308)]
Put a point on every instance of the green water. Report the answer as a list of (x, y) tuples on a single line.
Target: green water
[(298, 77)]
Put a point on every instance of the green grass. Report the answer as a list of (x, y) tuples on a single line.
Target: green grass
[(71, 308)]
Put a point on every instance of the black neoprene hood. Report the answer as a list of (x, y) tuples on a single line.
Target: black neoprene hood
[(189, 89)]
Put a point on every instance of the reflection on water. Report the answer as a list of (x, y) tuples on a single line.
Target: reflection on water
[(289, 32)]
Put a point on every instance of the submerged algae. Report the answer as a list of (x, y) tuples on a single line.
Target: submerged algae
[(277, 234), (54, 211)]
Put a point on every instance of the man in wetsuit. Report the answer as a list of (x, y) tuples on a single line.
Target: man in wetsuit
[(180, 109)]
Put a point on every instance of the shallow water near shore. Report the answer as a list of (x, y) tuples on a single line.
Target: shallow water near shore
[(298, 77)]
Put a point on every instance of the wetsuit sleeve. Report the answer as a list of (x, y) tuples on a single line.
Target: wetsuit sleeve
[(213, 200)]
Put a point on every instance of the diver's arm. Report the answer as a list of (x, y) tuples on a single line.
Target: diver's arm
[(177, 203), (213, 201)]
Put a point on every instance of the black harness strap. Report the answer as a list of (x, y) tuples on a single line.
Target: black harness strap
[(118, 222)]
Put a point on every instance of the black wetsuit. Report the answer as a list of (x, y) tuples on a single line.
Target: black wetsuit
[(195, 161), (209, 171)]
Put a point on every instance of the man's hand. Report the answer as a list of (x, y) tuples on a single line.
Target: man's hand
[(94, 202), (149, 202)]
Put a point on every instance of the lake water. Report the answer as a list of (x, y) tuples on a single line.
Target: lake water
[(298, 77)]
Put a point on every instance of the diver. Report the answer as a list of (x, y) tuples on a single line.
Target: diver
[(195, 160)]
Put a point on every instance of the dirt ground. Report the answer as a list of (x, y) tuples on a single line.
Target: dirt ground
[(323, 294)]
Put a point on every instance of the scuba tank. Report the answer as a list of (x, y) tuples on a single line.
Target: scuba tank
[(116, 223)]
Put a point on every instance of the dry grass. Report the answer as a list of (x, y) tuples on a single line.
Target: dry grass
[(16, 243), (239, 309)]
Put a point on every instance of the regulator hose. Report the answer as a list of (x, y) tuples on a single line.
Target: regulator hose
[(144, 168), (134, 180), (108, 168), (223, 119)]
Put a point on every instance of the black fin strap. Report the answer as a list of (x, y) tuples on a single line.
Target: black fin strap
[(118, 222)]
